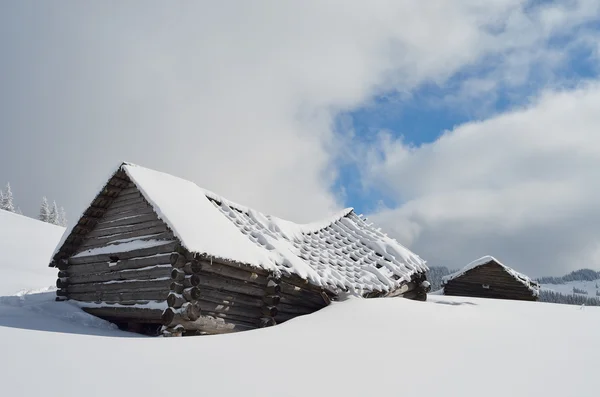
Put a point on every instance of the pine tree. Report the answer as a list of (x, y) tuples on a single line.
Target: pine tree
[(7, 199), (1, 200), (18, 211), (62, 217), (54, 214), (44, 211)]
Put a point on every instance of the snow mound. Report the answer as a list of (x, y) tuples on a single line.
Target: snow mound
[(25, 246)]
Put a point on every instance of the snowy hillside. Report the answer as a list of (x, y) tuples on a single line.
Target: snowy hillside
[(445, 346), (25, 248)]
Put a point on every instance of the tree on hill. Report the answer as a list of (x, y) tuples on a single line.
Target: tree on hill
[(62, 217), (6, 199), (54, 217), (44, 211)]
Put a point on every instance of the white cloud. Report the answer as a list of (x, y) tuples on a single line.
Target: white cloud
[(521, 186), (239, 97)]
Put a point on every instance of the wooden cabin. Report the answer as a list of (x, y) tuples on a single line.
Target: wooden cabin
[(488, 278), (157, 254)]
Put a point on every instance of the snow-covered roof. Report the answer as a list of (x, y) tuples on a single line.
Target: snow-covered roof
[(343, 251), (523, 279)]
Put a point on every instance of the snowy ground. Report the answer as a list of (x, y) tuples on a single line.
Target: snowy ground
[(445, 346)]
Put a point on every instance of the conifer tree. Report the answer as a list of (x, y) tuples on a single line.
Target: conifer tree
[(62, 217), (7, 199), (44, 211), (54, 214)]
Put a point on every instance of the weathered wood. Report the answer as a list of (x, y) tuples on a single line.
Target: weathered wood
[(236, 265), (221, 283), (211, 325), (187, 312), (103, 233), (121, 286), (120, 297), (249, 312), (126, 313), (230, 298), (177, 275), (129, 190), (294, 300), (177, 260), (154, 272), (128, 202), (177, 287), (233, 317), (62, 282), (126, 220), (175, 300), (271, 300), (191, 294), (167, 247), (105, 266), (228, 271), (295, 309), (121, 213), (141, 235), (62, 292), (191, 281), (309, 296)]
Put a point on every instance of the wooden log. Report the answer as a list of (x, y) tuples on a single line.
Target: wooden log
[(295, 309), (233, 264), (297, 301), (62, 282), (126, 313), (128, 220), (177, 260), (149, 273), (228, 271), (251, 314), (155, 233), (156, 226), (233, 317), (121, 286), (309, 296), (191, 281), (211, 325), (63, 273), (187, 312), (128, 202), (269, 311), (177, 275), (271, 300), (126, 264), (121, 296), (175, 300), (62, 292), (191, 267), (124, 213), (192, 294), (177, 287), (224, 284), (166, 247), (267, 322), (229, 298)]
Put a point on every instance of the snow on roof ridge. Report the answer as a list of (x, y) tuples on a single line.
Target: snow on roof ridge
[(523, 279)]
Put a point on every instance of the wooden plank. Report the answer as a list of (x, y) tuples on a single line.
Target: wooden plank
[(153, 272), (249, 312), (230, 285), (104, 232), (229, 272), (126, 313), (307, 295), (117, 203), (120, 297), (134, 211), (122, 238), (135, 263), (211, 325), (168, 247), (102, 224), (122, 286), (232, 299)]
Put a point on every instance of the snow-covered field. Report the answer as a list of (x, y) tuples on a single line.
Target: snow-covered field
[(394, 347)]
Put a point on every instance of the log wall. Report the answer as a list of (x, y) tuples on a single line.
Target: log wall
[(130, 285), (488, 281)]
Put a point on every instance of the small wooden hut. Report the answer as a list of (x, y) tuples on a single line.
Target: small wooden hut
[(488, 278), (153, 251)]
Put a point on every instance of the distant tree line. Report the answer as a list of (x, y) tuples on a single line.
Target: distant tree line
[(577, 275), (555, 297), (48, 213)]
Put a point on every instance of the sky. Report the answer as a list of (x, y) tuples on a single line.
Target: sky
[(461, 128)]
